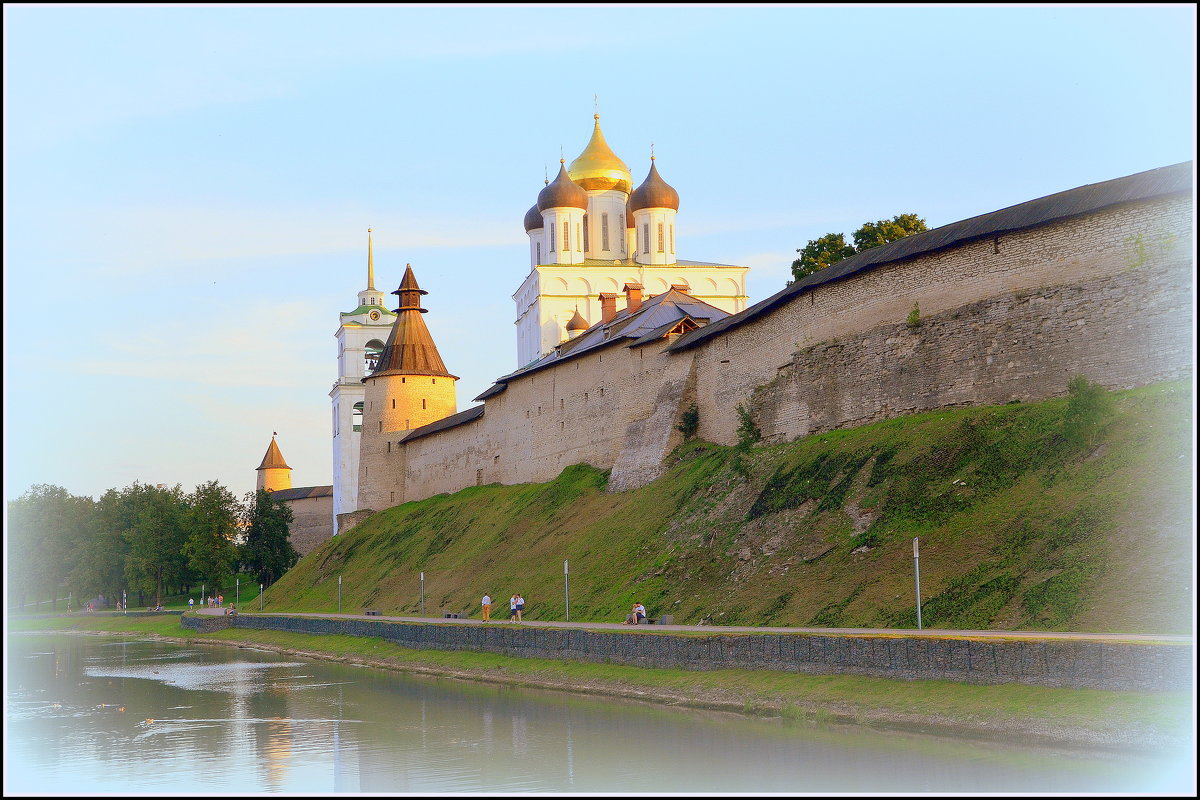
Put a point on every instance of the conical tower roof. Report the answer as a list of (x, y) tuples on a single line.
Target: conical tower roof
[(598, 167), (410, 349), (273, 459)]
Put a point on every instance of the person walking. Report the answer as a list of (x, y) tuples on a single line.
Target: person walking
[(487, 607), (520, 607), (512, 608), (191, 603)]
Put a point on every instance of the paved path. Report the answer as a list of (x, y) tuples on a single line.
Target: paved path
[(908, 632)]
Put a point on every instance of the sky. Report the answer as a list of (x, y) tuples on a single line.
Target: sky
[(187, 189)]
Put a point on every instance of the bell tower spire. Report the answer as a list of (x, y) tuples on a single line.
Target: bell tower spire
[(370, 296)]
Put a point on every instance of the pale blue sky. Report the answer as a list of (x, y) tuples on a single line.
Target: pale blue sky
[(187, 189)]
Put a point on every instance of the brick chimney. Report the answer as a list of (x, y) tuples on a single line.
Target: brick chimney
[(633, 296), (608, 306), (681, 287)]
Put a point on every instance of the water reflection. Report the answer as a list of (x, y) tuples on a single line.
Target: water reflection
[(92, 715)]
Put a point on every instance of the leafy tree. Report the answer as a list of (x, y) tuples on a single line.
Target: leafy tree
[(268, 552), (820, 253), (156, 538), (873, 234), (211, 521), (832, 248), (47, 527), (101, 567)]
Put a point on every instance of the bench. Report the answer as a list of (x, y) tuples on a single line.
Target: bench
[(372, 612), (665, 619)]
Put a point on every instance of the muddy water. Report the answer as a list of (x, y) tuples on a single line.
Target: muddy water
[(88, 714)]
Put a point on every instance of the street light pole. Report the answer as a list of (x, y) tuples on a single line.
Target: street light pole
[(567, 589), (260, 588), (422, 594), (917, 570), (339, 594), (237, 588)]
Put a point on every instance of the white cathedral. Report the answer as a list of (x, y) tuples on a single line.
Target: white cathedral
[(591, 235)]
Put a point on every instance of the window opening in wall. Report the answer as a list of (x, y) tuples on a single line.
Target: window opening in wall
[(539, 252), (404, 380), (371, 353), (422, 403), (393, 403), (479, 477), (604, 231), (389, 447), (495, 459), (578, 237), (381, 427), (356, 417), (566, 238), (672, 238), (586, 237), (562, 426), (551, 237), (560, 403), (646, 238), (393, 496), (996, 245), (435, 380), (660, 237)]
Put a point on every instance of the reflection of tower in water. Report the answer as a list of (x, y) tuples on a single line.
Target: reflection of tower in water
[(277, 752)]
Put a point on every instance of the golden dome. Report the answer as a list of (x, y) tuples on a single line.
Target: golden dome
[(598, 168)]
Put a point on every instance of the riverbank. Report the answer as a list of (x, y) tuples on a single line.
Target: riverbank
[(1066, 717)]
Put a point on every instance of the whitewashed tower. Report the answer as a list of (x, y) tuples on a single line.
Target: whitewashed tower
[(361, 335)]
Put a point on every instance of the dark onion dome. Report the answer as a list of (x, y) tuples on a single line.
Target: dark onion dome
[(653, 193), (562, 192), (533, 219), (578, 323), (629, 223)]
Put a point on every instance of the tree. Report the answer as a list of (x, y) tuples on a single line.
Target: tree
[(156, 538), (832, 248), (211, 519), (873, 234), (1089, 406), (47, 528), (268, 552), (820, 253)]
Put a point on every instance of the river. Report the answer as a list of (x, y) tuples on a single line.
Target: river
[(101, 715)]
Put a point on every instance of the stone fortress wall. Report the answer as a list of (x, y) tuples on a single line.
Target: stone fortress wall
[(1105, 294)]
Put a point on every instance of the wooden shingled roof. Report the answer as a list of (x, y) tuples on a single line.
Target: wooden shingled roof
[(273, 459), (410, 349)]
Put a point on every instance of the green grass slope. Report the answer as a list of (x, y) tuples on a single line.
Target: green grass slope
[(1022, 527)]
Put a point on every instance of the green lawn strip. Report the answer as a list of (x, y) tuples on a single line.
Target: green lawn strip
[(786, 693)]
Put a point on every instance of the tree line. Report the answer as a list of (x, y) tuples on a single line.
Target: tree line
[(149, 540)]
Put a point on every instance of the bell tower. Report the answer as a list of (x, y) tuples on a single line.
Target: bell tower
[(360, 336)]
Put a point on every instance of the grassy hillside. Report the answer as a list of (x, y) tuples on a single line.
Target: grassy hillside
[(1024, 524)]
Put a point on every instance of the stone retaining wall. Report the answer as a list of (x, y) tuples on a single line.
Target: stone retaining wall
[(1050, 662)]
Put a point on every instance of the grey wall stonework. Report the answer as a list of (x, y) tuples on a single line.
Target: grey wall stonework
[(1051, 662)]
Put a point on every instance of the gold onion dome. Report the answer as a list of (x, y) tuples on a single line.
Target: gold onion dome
[(562, 192), (533, 219), (654, 193), (598, 168)]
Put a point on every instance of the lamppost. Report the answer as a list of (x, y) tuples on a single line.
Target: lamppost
[(422, 594), (237, 589), (339, 594), (567, 590), (917, 570), (260, 597)]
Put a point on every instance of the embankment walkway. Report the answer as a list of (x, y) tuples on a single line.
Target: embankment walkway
[(1143, 662)]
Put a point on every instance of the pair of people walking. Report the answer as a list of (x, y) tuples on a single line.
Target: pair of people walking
[(516, 607)]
